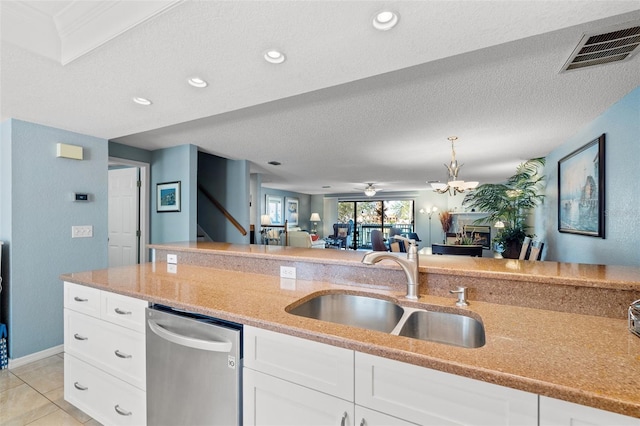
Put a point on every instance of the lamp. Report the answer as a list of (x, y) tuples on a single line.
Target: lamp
[(430, 211), (370, 190), (458, 186), (315, 218), (265, 222)]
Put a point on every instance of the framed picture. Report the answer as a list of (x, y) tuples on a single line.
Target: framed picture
[(168, 197), (274, 209), (291, 211), (581, 190)]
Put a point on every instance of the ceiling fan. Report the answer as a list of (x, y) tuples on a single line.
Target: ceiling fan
[(370, 190)]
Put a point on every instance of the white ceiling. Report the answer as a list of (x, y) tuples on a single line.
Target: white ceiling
[(350, 104)]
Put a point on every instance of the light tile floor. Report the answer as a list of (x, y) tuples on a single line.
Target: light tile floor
[(33, 394)]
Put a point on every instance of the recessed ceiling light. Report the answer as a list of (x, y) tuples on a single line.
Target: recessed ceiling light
[(197, 82), (141, 101), (274, 56), (385, 20)]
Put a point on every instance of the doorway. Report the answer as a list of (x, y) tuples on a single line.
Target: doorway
[(128, 212)]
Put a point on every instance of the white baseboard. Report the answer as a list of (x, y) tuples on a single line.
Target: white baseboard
[(18, 362)]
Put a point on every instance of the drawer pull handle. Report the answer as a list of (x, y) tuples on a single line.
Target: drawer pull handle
[(344, 419), (80, 299), (121, 411), (121, 354), (80, 387), (79, 337), (121, 312), (363, 422)]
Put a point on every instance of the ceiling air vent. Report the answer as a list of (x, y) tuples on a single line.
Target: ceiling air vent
[(598, 49)]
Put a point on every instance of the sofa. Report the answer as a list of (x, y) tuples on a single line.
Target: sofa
[(304, 239)]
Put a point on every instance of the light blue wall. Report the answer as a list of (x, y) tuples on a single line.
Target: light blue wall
[(37, 193), (119, 150), (228, 181), (179, 163), (621, 126)]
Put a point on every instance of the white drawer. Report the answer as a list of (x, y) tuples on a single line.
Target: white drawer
[(82, 299), (316, 365), (101, 395), (123, 310), (117, 350)]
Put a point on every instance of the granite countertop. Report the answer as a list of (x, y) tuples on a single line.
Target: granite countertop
[(585, 359), (574, 274)]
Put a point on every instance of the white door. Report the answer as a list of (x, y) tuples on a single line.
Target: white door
[(123, 216)]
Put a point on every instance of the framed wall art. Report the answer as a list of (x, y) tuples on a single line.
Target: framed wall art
[(291, 211), (168, 197), (581, 191)]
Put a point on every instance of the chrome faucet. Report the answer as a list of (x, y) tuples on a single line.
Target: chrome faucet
[(409, 264)]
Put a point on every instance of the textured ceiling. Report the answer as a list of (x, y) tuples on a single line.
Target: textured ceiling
[(350, 105)]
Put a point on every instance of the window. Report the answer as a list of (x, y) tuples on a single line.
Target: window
[(376, 214)]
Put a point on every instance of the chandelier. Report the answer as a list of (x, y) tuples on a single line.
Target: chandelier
[(453, 184)]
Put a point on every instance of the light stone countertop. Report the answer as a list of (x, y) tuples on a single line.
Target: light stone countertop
[(573, 274), (589, 360)]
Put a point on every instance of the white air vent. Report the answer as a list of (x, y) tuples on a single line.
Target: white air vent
[(598, 49)]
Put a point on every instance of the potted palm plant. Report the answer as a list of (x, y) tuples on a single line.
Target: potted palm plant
[(510, 203)]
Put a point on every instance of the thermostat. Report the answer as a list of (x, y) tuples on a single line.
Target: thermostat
[(80, 197)]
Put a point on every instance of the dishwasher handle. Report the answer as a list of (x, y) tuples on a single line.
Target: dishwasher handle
[(179, 339)]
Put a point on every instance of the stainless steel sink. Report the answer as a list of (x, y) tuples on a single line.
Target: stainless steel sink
[(354, 310), (443, 327), (388, 317)]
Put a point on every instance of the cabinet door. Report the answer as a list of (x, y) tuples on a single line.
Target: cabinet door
[(315, 365), (431, 397), (366, 417), (268, 400), (554, 412)]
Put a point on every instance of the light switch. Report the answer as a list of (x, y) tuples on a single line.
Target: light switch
[(85, 231)]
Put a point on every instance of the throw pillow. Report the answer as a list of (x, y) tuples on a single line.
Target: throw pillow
[(342, 232), (314, 237)]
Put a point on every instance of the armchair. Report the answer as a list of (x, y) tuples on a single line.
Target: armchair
[(342, 235)]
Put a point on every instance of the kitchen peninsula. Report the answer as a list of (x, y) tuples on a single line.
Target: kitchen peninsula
[(552, 329)]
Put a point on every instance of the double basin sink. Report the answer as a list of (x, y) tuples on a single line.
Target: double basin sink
[(382, 315)]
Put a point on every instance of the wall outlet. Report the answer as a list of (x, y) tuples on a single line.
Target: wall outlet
[(82, 231), (172, 258), (288, 272)]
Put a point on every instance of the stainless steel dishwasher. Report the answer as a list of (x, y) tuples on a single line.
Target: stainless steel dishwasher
[(194, 369)]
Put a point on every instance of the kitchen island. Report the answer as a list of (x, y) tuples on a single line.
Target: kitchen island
[(557, 330)]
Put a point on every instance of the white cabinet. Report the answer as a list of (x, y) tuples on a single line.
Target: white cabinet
[(289, 380), (268, 400), (293, 381), (431, 397), (105, 350), (326, 368), (554, 412)]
